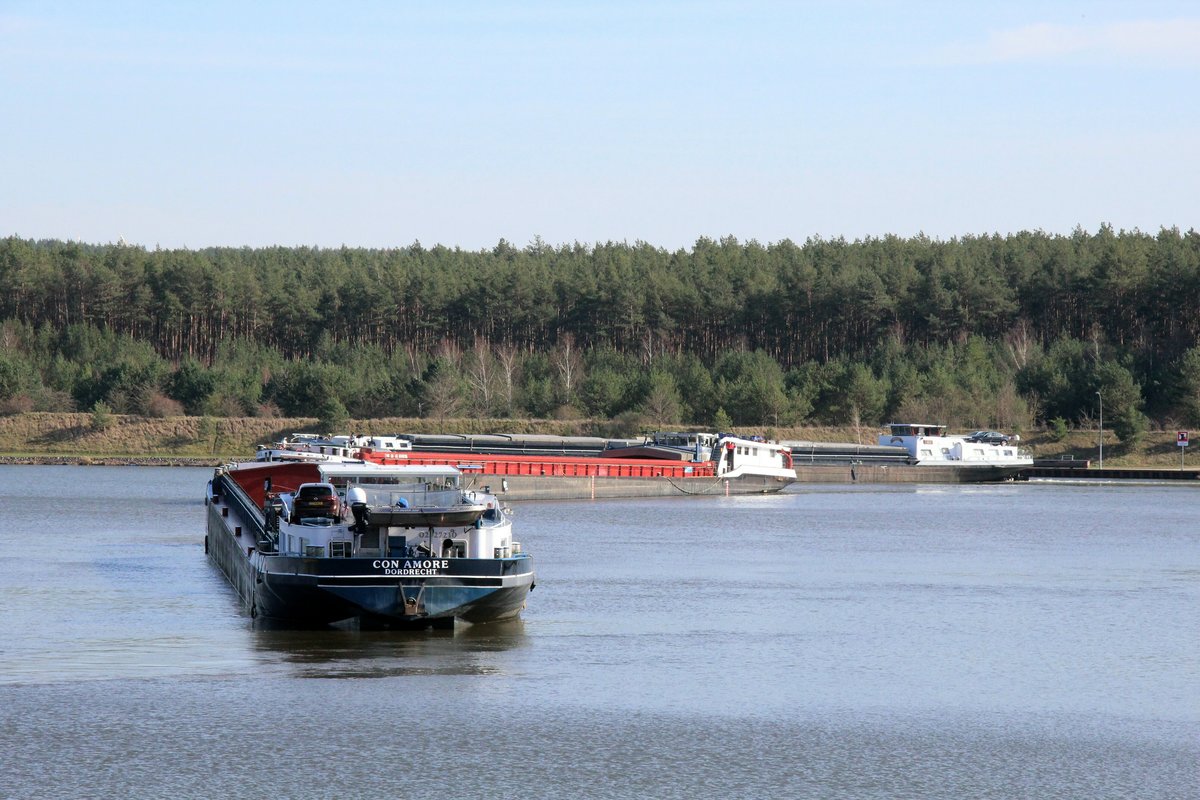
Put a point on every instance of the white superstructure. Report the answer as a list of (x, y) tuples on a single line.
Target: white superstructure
[(400, 500), (930, 445), (328, 449)]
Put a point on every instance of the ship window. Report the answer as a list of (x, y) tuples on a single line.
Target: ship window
[(945, 451), (927, 452)]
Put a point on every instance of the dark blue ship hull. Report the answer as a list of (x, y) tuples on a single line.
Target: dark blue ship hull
[(385, 592), (324, 591)]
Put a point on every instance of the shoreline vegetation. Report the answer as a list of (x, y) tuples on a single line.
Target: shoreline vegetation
[(1021, 332), (74, 438)]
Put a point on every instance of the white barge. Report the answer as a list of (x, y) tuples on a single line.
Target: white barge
[(913, 453)]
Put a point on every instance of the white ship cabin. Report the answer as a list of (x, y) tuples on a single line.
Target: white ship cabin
[(311, 447), (907, 429), (386, 443), (430, 493), (733, 455), (930, 444), (419, 485), (736, 456), (701, 444)]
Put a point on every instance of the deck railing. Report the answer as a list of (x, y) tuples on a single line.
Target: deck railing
[(251, 514)]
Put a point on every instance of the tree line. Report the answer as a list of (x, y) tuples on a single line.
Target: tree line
[(1005, 331)]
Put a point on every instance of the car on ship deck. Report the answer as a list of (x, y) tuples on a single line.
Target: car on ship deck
[(316, 500), (989, 437)]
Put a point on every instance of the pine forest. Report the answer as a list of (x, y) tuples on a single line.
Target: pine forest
[(1012, 332)]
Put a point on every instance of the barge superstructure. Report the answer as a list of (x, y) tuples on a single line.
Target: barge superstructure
[(912, 453)]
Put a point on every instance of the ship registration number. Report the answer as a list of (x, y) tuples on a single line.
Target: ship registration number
[(412, 568)]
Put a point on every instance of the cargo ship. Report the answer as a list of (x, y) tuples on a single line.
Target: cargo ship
[(526, 467), (364, 544), (913, 453)]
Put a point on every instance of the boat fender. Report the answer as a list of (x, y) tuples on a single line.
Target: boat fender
[(205, 545)]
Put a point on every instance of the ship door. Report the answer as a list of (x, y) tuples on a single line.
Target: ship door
[(727, 459)]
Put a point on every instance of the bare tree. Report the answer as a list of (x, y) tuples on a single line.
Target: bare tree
[(662, 403), (450, 351), (444, 394), (1019, 343), (569, 363), (414, 358), (1010, 409), (648, 347), (480, 373), (506, 355)]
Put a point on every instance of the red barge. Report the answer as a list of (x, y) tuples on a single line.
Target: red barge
[(524, 468)]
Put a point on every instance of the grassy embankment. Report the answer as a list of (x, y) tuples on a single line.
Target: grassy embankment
[(214, 440)]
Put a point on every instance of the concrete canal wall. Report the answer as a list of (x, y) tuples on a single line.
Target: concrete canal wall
[(1111, 473)]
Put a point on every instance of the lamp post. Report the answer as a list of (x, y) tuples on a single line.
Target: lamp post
[(1101, 437)]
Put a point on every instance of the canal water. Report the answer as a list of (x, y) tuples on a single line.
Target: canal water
[(1010, 641)]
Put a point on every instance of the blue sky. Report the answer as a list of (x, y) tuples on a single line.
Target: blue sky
[(378, 124)]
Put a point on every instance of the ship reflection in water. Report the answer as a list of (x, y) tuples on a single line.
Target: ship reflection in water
[(336, 653)]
